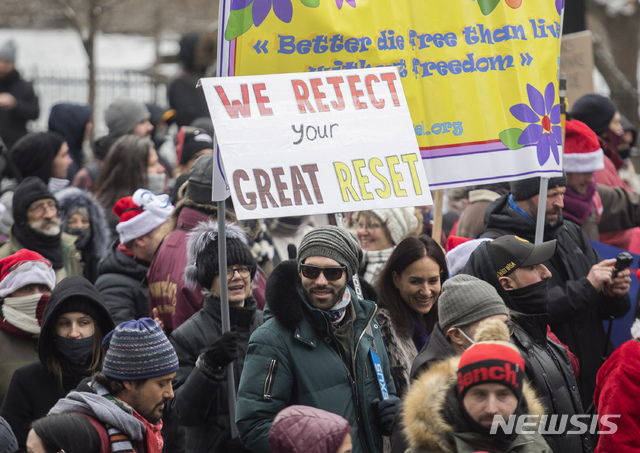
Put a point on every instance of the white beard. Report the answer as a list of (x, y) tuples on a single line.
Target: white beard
[(52, 228)]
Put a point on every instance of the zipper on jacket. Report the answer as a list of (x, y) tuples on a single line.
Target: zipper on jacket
[(269, 380)]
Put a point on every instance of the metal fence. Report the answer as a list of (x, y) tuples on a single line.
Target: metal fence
[(60, 85)]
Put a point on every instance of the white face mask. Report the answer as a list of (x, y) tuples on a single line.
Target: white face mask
[(57, 184), (156, 182), (467, 337)]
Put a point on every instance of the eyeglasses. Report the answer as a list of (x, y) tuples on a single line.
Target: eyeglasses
[(42, 207), (331, 273), (244, 272), (369, 226)]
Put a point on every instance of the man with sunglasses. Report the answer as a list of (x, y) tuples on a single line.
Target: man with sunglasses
[(318, 348), (513, 266), (37, 228)]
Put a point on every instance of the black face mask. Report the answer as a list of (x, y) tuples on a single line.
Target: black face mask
[(83, 234), (532, 299), (76, 351)]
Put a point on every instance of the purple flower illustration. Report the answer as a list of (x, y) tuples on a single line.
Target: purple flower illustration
[(350, 2), (282, 9), (543, 117)]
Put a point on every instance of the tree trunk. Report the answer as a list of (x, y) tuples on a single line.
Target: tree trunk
[(616, 48)]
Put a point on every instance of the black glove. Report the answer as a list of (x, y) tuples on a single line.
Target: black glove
[(222, 351), (235, 445), (387, 410)]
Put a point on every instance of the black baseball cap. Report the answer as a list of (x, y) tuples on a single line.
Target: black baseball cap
[(511, 252)]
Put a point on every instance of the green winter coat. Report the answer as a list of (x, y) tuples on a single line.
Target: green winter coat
[(294, 358)]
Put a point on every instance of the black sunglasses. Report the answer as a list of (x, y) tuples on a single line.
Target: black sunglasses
[(331, 273)]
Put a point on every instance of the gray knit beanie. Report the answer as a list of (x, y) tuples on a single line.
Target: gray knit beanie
[(8, 51), (527, 188), (335, 243), (199, 187), (465, 299), (123, 115)]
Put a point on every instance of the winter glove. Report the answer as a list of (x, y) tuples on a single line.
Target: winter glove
[(235, 445), (387, 410), (222, 351)]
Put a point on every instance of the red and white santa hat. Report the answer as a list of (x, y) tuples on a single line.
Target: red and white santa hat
[(141, 213), (582, 152), (23, 268)]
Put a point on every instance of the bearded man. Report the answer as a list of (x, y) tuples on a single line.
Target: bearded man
[(37, 228)]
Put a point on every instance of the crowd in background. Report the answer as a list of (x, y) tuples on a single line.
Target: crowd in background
[(112, 246)]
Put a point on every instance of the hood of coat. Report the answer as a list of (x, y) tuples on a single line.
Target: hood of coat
[(100, 233), (500, 217), (283, 297), (70, 120), (116, 262), (423, 416), (71, 289)]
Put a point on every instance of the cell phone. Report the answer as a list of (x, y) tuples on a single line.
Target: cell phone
[(623, 261)]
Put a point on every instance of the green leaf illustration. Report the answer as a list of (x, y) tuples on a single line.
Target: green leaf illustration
[(487, 6), (311, 3), (509, 137), (240, 20)]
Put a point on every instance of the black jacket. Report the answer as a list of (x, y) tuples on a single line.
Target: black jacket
[(200, 401), (547, 364), (435, 349), (34, 389), (13, 123), (575, 309), (123, 285)]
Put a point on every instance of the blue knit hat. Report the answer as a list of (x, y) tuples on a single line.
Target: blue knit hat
[(138, 349)]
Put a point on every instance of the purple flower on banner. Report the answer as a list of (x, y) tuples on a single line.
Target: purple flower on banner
[(282, 9), (543, 117), (559, 6), (350, 2)]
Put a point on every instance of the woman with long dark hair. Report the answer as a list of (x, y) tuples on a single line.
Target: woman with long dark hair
[(408, 288), (74, 323), (132, 163)]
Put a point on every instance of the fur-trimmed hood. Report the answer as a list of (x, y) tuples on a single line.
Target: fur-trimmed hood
[(423, 418), (100, 233), (283, 298), (429, 408)]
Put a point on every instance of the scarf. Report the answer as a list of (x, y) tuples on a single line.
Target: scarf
[(22, 316), (48, 246), (420, 334), (117, 416), (155, 443), (578, 207), (611, 153), (374, 261), (338, 311)]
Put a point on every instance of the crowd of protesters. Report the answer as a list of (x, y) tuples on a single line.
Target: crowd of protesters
[(112, 329)]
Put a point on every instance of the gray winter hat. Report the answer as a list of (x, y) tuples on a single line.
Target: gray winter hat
[(335, 243), (123, 115), (8, 51), (465, 299), (200, 180)]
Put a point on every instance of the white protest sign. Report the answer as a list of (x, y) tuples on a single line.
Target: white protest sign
[(313, 143)]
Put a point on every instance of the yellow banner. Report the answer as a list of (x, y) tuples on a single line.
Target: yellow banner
[(480, 76)]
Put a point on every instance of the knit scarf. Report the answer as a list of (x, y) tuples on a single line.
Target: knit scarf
[(374, 260), (48, 246), (117, 416), (578, 207), (420, 334), (21, 316)]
